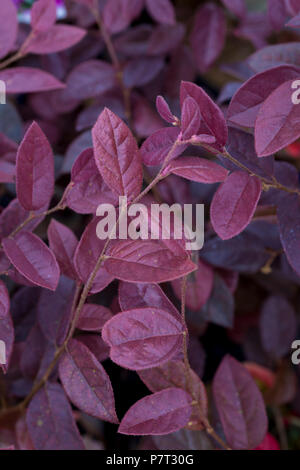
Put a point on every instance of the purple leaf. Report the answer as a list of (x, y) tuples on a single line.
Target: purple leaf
[(173, 374), (240, 405), (118, 14), (164, 110), (237, 7), (278, 326), (54, 311), (275, 55), (288, 214), (9, 27), (87, 253), (88, 189), (155, 149), (198, 287), (208, 35), (248, 100), (147, 261), (29, 80), (161, 11), (142, 70), (13, 216), (143, 338), (35, 170), (96, 345), (86, 383), (63, 243), (93, 317), (211, 114), (197, 169), (135, 295), (117, 155), (50, 421), (90, 79), (277, 14), (55, 39), (234, 204), (278, 123), (294, 22), (6, 326), (161, 413), (33, 259), (190, 118), (165, 38), (43, 15)]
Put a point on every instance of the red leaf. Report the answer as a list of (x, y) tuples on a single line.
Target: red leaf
[(240, 405), (63, 243), (50, 421), (6, 327), (117, 155), (87, 253), (197, 169), (43, 15), (9, 27), (93, 317), (86, 382), (208, 35), (33, 259), (249, 98), (143, 338), (147, 261), (278, 121), (55, 39), (161, 11), (234, 204), (173, 374), (29, 80), (211, 114), (161, 413), (35, 170)]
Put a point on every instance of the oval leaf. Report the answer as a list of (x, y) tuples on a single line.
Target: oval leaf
[(234, 204), (161, 413), (86, 382), (143, 338), (240, 405), (117, 155), (33, 259), (50, 421), (35, 170)]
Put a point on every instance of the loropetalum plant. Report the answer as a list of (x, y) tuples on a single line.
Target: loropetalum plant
[(208, 333)]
